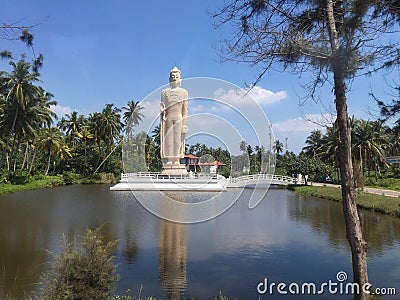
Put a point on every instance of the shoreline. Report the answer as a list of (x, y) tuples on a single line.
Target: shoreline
[(50, 182), (385, 204), (388, 205)]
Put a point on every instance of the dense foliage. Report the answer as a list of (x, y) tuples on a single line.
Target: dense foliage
[(33, 141), (371, 142)]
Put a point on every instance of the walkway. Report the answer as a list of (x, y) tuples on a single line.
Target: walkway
[(383, 192)]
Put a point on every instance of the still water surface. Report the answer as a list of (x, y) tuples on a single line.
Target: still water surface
[(287, 238)]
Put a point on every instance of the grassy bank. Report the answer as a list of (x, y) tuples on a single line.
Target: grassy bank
[(384, 183), (31, 183), (383, 204), (48, 181)]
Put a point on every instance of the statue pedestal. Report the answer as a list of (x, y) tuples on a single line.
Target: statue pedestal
[(174, 169)]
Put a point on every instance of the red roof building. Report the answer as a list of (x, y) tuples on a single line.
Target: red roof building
[(191, 161)]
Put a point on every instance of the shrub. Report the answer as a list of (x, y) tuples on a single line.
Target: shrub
[(19, 179), (104, 177), (86, 273), (70, 178)]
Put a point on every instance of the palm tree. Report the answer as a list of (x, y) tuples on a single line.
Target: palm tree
[(132, 115), (21, 122), (37, 115), (393, 146), (261, 158), (313, 143), (369, 142), (71, 124), (278, 147), (329, 149), (85, 135), (53, 143), (155, 134), (194, 149), (106, 127), (19, 89), (110, 124)]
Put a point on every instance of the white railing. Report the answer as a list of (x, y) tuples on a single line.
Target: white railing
[(138, 174), (156, 175), (230, 182), (273, 179)]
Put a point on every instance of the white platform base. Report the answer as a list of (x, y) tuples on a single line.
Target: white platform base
[(160, 182)]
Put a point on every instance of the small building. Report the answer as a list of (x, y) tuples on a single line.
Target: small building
[(191, 162)]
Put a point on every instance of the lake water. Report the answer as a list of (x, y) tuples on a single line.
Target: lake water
[(287, 238)]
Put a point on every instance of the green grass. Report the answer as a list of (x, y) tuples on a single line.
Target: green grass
[(385, 183), (129, 296), (25, 183), (48, 181), (383, 204)]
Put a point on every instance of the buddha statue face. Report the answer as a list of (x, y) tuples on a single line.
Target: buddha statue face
[(175, 78)]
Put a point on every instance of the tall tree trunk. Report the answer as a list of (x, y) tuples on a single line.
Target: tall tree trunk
[(33, 160), (99, 158), (48, 164), (353, 226), (9, 138), (8, 162), (15, 151), (13, 155), (14, 166), (352, 221), (361, 162), (26, 154)]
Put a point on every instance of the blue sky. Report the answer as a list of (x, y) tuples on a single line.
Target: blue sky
[(99, 52)]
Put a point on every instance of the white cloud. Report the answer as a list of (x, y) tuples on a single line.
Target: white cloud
[(256, 94), (151, 109), (60, 110), (263, 96), (307, 123), (295, 131), (200, 108)]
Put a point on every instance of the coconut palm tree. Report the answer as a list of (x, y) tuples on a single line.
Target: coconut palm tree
[(37, 115), (195, 149), (25, 122), (52, 142), (132, 115), (329, 149), (278, 147), (110, 124), (155, 134), (369, 142), (106, 127), (393, 146), (313, 143), (18, 88), (86, 136), (71, 124)]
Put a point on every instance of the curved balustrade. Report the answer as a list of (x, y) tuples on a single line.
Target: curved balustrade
[(254, 180), (156, 175), (257, 179)]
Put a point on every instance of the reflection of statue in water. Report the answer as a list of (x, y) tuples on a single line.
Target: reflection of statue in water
[(172, 254), (174, 111), (172, 258)]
